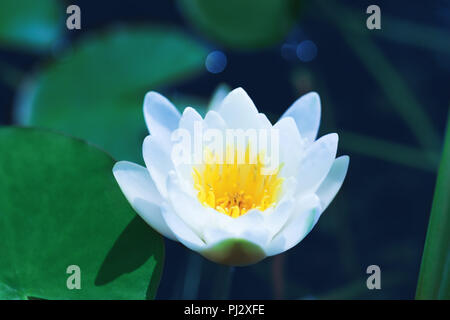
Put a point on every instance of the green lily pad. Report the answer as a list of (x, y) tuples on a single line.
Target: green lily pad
[(61, 206), (30, 24), (95, 92), (242, 24)]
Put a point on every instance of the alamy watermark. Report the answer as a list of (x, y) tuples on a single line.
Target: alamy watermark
[(229, 146), (74, 280), (374, 280), (374, 20), (74, 20)]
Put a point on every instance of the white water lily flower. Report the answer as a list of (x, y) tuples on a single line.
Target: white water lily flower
[(229, 214)]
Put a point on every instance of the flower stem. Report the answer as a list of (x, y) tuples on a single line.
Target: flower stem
[(223, 280), (192, 277)]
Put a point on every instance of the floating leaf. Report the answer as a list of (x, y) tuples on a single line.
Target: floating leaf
[(60, 206), (242, 24), (96, 91), (30, 23)]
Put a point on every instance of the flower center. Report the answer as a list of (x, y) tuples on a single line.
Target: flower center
[(235, 188)]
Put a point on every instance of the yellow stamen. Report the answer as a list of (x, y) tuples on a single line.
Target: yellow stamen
[(233, 188)]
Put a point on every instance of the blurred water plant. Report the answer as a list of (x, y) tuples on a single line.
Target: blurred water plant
[(242, 24), (192, 277), (434, 278), (390, 151), (95, 90), (30, 24), (370, 146), (389, 80), (408, 32), (9, 75)]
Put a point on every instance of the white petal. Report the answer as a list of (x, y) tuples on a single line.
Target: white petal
[(214, 234), (291, 146), (188, 208), (213, 120), (157, 157), (139, 189), (264, 122), (316, 163), (252, 219), (297, 227), (182, 232), (333, 182), (239, 111), (230, 241), (306, 113), (240, 242), (275, 219), (189, 119), (160, 115), (249, 227)]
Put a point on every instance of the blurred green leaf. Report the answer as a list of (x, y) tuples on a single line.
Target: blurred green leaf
[(96, 91), (405, 31), (390, 81), (242, 24), (30, 23), (434, 278), (416, 34), (59, 206), (389, 151)]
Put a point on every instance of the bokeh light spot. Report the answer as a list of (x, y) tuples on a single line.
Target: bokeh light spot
[(306, 51), (216, 61)]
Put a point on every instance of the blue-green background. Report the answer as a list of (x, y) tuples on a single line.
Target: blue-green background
[(371, 84)]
